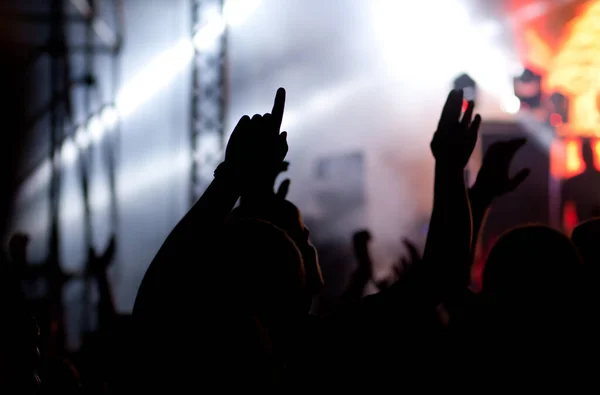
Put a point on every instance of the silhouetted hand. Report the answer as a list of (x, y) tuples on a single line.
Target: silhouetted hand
[(493, 179), (399, 268), (455, 138), (256, 149)]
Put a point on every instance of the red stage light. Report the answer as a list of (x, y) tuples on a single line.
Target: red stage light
[(465, 105), (555, 119)]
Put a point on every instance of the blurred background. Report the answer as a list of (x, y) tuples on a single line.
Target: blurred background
[(130, 104)]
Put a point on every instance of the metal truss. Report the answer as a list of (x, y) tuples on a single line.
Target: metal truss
[(99, 39), (208, 93)]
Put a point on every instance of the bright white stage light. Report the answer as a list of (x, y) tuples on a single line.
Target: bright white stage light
[(109, 117), (209, 33), (157, 75), (68, 152), (95, 128), (82, 137), (134, 181), (511, 104)]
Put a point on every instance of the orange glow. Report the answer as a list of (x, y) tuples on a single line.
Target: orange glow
[(565, 158), (573, 162), (596, 149), (539, 54), (574, 71)]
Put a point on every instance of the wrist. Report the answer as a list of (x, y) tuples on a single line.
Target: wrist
[(478, 195), (449, 169), (226, 175)]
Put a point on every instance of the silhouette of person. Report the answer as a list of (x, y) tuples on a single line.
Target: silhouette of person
[(583, 190)]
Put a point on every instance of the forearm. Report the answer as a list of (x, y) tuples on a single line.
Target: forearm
[(449, 236), (208, 212), (480, 204)]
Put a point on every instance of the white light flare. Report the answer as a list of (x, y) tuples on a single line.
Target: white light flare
[(109, 117), (511, 104), (153, 78), (135, 181), (425, 30), (435, 40), (209, 33), (144, 85), (95, 128), (82, 137), (68, 152)]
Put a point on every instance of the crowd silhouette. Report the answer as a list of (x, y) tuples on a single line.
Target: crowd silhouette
[(226, 302)]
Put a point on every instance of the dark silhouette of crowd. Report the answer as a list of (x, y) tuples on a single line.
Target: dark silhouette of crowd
[(225, 304)]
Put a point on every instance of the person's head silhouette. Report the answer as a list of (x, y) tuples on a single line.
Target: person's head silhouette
[(531, 267)]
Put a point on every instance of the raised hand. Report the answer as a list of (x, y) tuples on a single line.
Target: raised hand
[(256, 149), (455, 138), (401, 267), (493, 179)]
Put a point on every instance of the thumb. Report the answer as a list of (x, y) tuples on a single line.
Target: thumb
[(283, 189)]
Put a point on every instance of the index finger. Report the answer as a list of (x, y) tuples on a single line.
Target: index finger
[(278, 106)]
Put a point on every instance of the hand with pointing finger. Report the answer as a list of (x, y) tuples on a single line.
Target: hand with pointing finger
[(256, 149)]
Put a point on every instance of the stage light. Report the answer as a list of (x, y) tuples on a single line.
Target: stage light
[(465, 105), (511, 104), (95, 128), (68, 152), (82, 137), (155, 76), (209, 33), (468, 86), (109, 117)]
